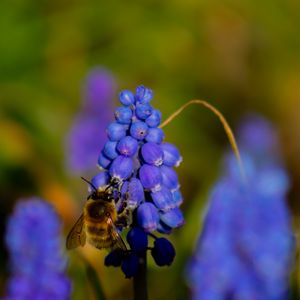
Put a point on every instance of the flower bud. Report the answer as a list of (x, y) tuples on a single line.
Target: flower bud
[(163, 199), (126, 97), (147, 216), (172, 157), (136, 162), (143, 111), (143, 94), (130, 264), (154, 119), (115, 131), (123, 114), (150, 177), (137, 238), (163, 228), (110, 150), (155, 135), (100, 180), (121, 168), (124, 188), (177, 197), (172, 218), (103, 161), (169, 178), (163, 252), (152, 154), (272, 181), (127, 146), (135, 193), (114, 258), (139, 130)]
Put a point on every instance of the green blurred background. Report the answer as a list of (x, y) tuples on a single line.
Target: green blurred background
[(242, 56)]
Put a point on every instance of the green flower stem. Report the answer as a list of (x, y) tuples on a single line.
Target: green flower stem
[(140, 287)]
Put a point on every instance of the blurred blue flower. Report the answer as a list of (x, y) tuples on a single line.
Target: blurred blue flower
[(87, 135), (246, 247), (33, 239), (136, 157)]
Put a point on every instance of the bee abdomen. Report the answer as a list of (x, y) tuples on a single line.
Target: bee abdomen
[(95, 230), (101, 242)]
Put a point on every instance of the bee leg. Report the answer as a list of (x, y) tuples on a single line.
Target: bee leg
[(124, 218)]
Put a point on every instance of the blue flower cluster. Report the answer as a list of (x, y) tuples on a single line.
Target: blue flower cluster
[(87, 135), (33, 239), (246, 248), (142, 165)]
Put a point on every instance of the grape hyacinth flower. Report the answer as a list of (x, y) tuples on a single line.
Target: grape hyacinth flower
[(246, 248), (33, 239), (141, 165), (87, 135)]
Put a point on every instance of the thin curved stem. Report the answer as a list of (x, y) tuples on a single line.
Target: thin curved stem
[(222, 119)]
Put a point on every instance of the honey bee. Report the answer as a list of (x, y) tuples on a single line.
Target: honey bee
[(97, 225)]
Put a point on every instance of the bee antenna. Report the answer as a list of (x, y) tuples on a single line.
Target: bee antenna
[(84, 179), (112, 183)]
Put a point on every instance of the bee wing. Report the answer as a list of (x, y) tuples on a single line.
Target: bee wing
[(116, 237), (77, 236)]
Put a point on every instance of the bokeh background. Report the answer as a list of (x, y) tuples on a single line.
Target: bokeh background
[(242, 56)]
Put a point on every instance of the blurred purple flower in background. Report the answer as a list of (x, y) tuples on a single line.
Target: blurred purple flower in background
[(33, 239), (87, 135), (246, 248)]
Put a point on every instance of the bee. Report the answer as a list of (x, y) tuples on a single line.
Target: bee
[(98, 223)]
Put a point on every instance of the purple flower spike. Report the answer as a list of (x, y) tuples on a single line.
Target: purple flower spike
[(33, 239), (155, 135), (98, 91), (84, 142), (139, 130), (247, 231), (127, 146), (121, 168), (137, 239), (152, 154), (173, 218), (163, 199), (87, 134), (110, 150), (135, 193), (150, 177), (169, 178), (116, 131), (123, 114), (143, 94), (154, 119), (143, 185), (257, 135), (163, 252), (99, 181), (126, 98), (147, 216), (172, 157), (103, 161), (143, 111), (273, 180)]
